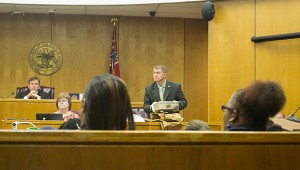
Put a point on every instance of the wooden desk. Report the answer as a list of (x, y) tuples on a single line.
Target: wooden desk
[(20, 108), (6, 124), (178, 150)]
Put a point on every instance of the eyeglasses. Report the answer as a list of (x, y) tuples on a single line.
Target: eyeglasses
[(224, 107)]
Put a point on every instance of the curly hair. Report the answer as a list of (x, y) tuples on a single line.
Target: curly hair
[(259, 101)]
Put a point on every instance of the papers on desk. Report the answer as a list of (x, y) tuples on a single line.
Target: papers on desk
[(286, 124)]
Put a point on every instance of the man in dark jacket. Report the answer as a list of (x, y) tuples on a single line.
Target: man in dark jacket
[(162, 90), (33, 91)]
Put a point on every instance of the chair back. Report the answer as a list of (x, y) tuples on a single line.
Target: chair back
[(21, 89), (49, 90)]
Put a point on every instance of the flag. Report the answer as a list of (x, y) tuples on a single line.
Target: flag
[(114, 67)]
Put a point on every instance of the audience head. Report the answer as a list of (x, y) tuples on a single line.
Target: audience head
[(106, 104), (34, 84), (63, 101), (196, 125), (252, 106)]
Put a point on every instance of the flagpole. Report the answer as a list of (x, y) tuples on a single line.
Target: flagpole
[(114, 20), (114, 59)]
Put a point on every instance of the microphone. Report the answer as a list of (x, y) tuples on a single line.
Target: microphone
[(10, 95), (293, 118)]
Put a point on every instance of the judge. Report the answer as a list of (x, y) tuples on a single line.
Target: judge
[(33, 91)]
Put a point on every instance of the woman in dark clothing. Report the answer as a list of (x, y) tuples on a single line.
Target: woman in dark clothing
[(249, 109), (106, 105)]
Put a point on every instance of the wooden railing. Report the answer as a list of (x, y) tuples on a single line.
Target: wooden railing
[(148, 150)]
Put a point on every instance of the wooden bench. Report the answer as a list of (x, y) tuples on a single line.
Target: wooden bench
[(182, 150)]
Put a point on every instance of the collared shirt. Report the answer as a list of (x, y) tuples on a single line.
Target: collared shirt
[(161, 90)]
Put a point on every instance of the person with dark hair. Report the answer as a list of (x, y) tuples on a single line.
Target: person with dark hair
[(271, 126), (64, 105), (196, 125), (106, 105), (33, 91), (249, 109), (71, 124), (162, 90)]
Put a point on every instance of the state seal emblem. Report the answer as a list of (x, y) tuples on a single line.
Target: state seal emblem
[(45, 58)]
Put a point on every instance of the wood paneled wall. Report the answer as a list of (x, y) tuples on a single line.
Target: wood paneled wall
[(195, 73), (145, 42), (230, 53), (85, 42), (18, 35), (279, 60), (234, 61)]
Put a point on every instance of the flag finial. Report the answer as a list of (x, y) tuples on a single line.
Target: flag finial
[(114, 20)]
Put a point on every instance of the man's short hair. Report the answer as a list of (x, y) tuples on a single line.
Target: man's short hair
[(32, 79), (196, 125), (162, 67)]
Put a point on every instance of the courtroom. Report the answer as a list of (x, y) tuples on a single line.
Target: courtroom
[(140, 84)]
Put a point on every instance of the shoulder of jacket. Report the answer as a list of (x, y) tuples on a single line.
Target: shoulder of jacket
[(150, 86), (173, 83)]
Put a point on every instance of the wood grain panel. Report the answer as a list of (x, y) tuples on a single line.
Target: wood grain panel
[(27, 109), (176, 157), (195, 69), (279, 60), (277, 17), (144, 150), (145, 42), (18, 35), (230, 52), (86, 44)]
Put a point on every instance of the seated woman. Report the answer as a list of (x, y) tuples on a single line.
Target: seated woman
[(106, 105), (249, 109), (64, 105)]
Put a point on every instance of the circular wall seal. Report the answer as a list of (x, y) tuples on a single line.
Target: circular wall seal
[(45, 58)]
